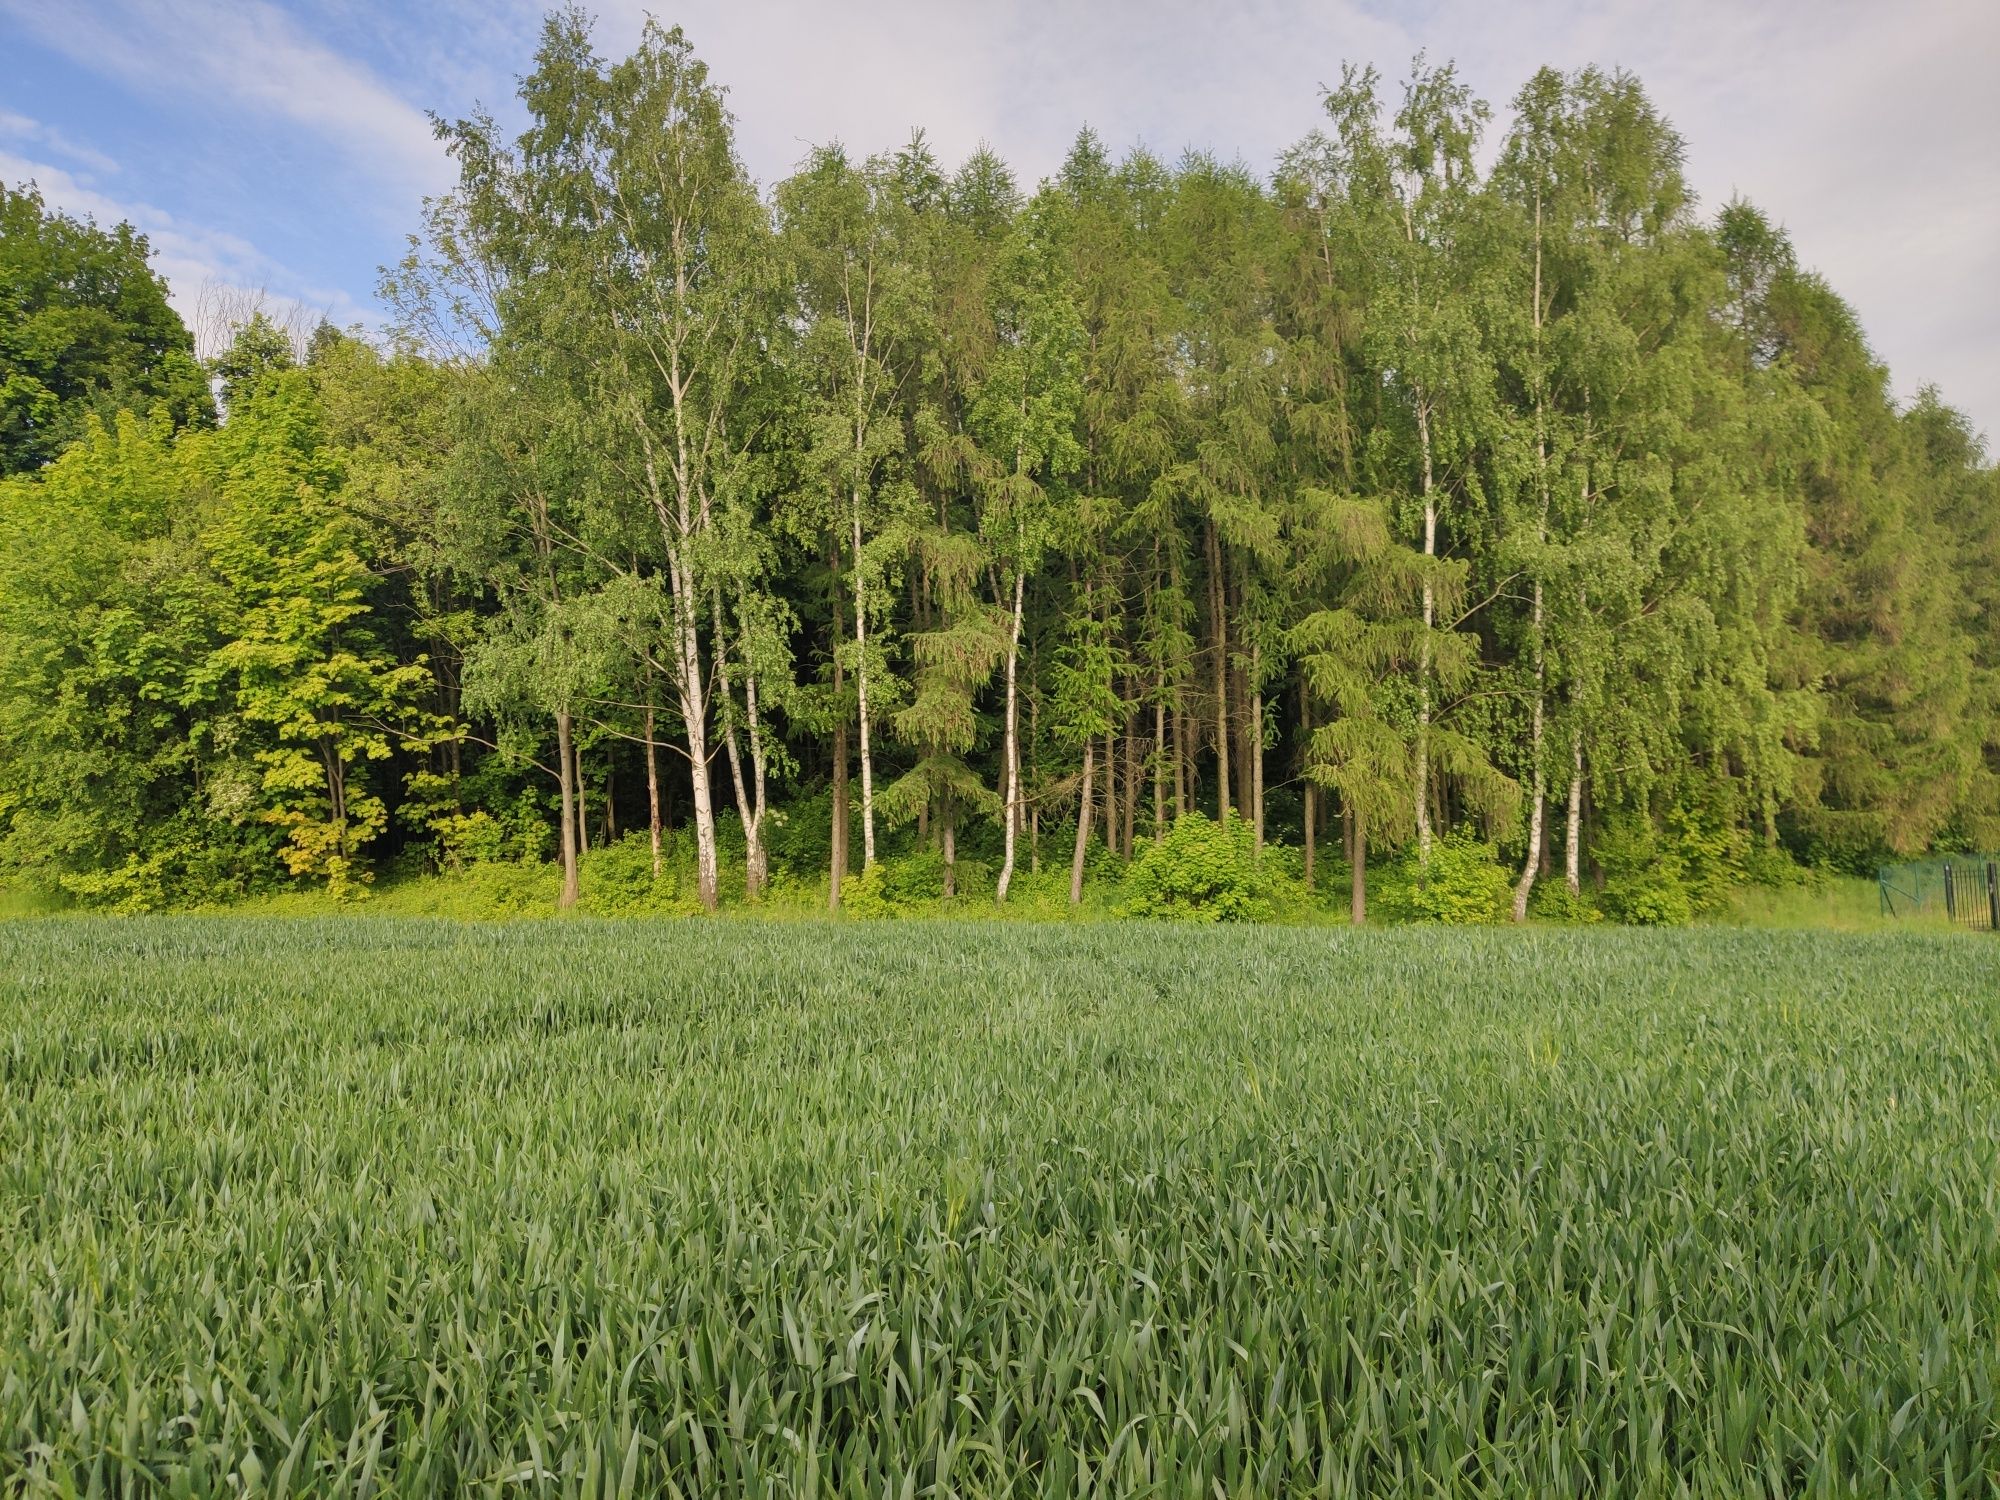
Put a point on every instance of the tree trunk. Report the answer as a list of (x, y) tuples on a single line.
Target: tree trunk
[(582, 811), (1035, 809), (861, 697), (1526, 884), (1221, 624), (749, 799), (1357, 863), (1424, 662), (1011, 798), (837, 864), (1159, 762), (950, 832), (567, 778), (1082, 827), (693, 690), (1309, 793), (1130, 781), (1109, 800), (653, 789), (1180, 756), (1255, 737), (1573, 834), (759, 868)]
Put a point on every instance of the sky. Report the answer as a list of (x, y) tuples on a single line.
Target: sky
[(286, 148)]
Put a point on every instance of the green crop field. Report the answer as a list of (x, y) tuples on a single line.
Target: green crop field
[(375, 1206)]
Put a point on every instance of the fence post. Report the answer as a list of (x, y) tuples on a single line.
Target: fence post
[(1950, 896), (1992, 897)]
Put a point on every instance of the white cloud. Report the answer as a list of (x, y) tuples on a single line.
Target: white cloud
[(34, 133), (252, 56)]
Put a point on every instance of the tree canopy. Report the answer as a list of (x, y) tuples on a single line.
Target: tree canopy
[(85, 330), (1530, 510)]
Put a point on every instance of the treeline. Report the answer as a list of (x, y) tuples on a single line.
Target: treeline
[(1519, 517)]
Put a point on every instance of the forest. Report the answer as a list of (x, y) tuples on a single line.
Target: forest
[(1455, 494)]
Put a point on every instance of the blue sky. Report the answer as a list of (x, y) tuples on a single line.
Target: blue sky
[(284, 147)]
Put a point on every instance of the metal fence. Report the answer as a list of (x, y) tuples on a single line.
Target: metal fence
[(1964, 889)]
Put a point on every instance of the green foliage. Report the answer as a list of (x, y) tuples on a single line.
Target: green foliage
[(1462, 885), (619, 881), (302, 656), (1667, 876), (1645, 879), (1775, 869), (1554, 901), (1200, 871), (85, 332), (909, 884), (1440, 479), (819, 1153), (184, 862)]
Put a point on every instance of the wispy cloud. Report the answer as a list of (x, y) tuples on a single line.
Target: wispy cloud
[(253, 57), (33, 133)]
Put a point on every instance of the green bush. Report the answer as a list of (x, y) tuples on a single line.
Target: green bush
[(1462, 886), (1685, 865), (1554, 901), (1705, 840), (1777, 870), (1645, 877), (187, 860), (1200, 871), (491, 890), (617, 880), (895, 886), (1653, 898)]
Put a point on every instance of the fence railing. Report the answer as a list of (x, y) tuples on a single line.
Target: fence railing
[(1964, 889)]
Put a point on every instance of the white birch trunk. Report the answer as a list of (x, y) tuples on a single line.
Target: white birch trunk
[(1573, 837), (1011, 818), (861, 697), (1082, 828), (693, 693), (1424, 654), (567, 780), (749, 814), (1525, 886)]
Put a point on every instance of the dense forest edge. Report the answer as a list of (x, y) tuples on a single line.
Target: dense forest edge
[(1410, 531)]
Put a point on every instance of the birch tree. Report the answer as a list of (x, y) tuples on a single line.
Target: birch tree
[(633, 172), (859, 297), (1024, 416)]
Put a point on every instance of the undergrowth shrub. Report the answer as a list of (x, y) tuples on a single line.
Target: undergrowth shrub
[(1776, 869), (487, 891), (1463, 885), (1554, 901), (895, 887), (188, 860), (1200, 871), (617, 879), (1645, 879)]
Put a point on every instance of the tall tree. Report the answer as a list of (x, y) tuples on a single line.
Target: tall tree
[(860, 294), (85, 329), (1024, 417)]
